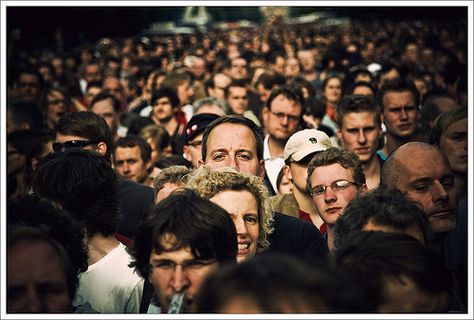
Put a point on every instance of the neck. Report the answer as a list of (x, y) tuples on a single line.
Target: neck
[(99, 246), (305, 203), (372, 172), (275, 147)]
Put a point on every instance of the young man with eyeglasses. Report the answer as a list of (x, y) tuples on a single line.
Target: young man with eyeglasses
[(183, 240), (299, 150), (281, 118), (335, 177)]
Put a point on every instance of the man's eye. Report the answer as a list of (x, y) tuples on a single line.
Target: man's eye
[(218, 157), (422, 187), (352, 131), (244, 156), (196, 264), (163, 264)]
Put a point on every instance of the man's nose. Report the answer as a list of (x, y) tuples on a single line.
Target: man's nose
[(329, 195), (179, 280), (362, 138), (439, 192), (35, 303)]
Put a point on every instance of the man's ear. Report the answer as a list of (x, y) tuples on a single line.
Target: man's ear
[(265, 112), (287, 172), (186, 153), (363, 190), (101, 148)]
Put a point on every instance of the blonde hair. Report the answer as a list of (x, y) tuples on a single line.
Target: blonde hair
[(207, 183)]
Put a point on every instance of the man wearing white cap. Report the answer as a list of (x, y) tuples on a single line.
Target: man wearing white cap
[(299, 150)]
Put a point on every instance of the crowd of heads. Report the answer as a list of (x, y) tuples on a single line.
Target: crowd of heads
[(173, 163)]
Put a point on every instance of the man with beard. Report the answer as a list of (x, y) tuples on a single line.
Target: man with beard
[(107, 106), (360, 131)]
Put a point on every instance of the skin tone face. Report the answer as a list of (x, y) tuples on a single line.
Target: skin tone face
[(105, 109), (297, 173), (93, 73), (425, 176), (221, 81), (307, 60), (238, 69), (360, 134), (113, 86), (185, 93), (331, 204), (403, 295), (129, 164), (453, 144), (163, 110), (333, 90), (91, 93), (28, 86), (168, 282), (282, 119), (237, 100), (292, 67), (400, 114), (192, 151), (36, 279), (233, 145), (56, 107), (243, 209)]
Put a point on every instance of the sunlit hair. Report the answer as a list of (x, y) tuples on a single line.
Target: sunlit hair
[(208, 183)]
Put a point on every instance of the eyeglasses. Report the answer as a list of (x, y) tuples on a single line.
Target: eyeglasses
[(282, 115), (336, 186), (186, 266), (196, 143), (59, 147)]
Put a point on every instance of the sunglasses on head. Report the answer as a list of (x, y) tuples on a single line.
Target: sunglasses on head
[(59, 147)]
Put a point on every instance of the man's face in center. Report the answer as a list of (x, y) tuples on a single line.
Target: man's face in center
[(233, 145)]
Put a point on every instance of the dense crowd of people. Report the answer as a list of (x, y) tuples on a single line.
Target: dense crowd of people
[(286, 168)]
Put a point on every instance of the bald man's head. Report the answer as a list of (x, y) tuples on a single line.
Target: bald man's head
[(423, 173)]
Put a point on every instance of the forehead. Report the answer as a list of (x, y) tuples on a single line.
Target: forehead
[(103, 104), (418, 163), (167, 241), (55, 94), (333, 82), (127, 153), (237, 90), (329, 173), (227, 135), (285, 104), (360, 119), (398, 97), (457, 126), (28, 77)]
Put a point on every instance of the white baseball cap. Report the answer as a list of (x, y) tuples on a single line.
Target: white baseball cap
[(305, 142)]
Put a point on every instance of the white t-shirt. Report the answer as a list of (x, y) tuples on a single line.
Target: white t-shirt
[(272, 165), (110, 285)]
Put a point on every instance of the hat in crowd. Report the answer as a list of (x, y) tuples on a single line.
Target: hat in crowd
[(305, 142), (198, 123)]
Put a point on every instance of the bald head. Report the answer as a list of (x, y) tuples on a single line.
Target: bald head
[(397, 159), (422, 172)]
